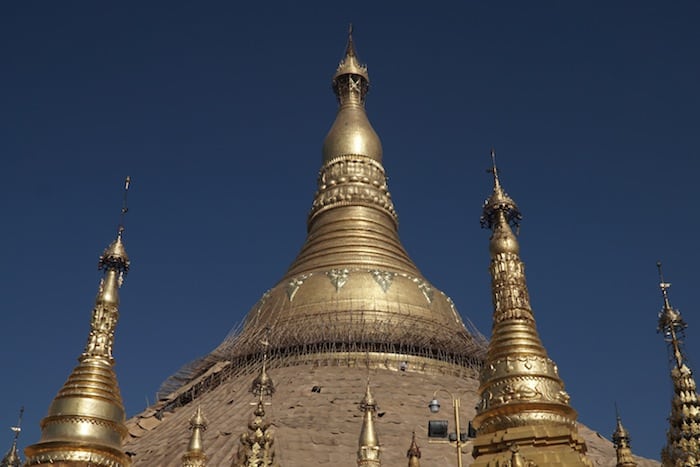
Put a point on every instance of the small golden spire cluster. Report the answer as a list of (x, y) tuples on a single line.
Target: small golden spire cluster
[(623, 449), (683, 436), (257, 445), (368, 453), (85, 423), (195, 456), (413, 453), (522, 397), (12, 458)]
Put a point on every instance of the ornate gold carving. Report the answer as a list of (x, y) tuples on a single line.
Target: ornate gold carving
[(383, 278), (352, 179), (294, 285), (338, 277)]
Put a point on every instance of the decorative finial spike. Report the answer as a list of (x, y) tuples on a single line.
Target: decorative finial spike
[(125, 204)]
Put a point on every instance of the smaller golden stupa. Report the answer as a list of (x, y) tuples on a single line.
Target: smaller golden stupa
[(623, 449), (368, 453), (85, 424), (522, 399), (195, 456)]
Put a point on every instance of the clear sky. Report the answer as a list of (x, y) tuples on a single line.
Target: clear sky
[(218, 111)]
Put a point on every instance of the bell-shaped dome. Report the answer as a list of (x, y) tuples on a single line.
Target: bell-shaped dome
[(353, 292)]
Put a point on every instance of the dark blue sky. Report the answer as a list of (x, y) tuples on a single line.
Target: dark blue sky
[(218, 112)]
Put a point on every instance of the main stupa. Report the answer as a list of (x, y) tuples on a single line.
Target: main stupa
[(352, 312)]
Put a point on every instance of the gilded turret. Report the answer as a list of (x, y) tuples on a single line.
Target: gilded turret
[(85, 423), (353, 292), (195, 456), (257, 444), (683, 436), (623, 449), (368, 454), (413, 453), (12, 459), (522, 398)]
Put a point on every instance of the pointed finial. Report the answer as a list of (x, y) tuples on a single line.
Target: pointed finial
[(125, 205), (663, 285), (195, 457), (413, 452), (18, 428), (263, 384), (368, 451), (494, 169), (115, 256), (499, 207), (12, 459)]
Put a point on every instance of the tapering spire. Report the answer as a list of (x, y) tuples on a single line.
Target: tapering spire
[(195, 456), (413, 453), (85, 423), (523, 401), (257, 444), (683, 436), (368, 454), (12, 458), (351, 134), (623, 448), (381, 303)]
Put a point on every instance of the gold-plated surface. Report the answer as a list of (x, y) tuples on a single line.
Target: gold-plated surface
[(85, 422), (353, 287), (368, 453), (683, 436), (413, 452), (623, 449), (522, 398), (257, 444), (12, 458), (195, 456)]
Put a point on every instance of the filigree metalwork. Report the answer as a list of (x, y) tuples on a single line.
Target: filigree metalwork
[(383, 278), (338, 277), (294, 284)]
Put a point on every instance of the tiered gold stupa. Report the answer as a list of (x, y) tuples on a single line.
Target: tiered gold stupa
[(85, 423), (523, 403), (683, 437), (351, 305)]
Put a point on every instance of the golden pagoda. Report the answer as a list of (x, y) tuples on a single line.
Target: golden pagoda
[(85, 423), (351, 303), (368, 453), (195, 456), (623, 449), (522, 399), (683, 437)]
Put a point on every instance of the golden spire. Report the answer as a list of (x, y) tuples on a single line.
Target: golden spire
[(257, 444), (683, 436), (195, 456), (523, 401), (85, 423), (368, 453), (12, 458), (353, 289), (413, 453), (351, 134), (621, 440)]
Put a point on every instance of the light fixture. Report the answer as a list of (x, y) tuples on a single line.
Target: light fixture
[(434, 406)]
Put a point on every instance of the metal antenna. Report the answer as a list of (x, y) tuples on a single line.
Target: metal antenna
[(18, 428), (125, 205)]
